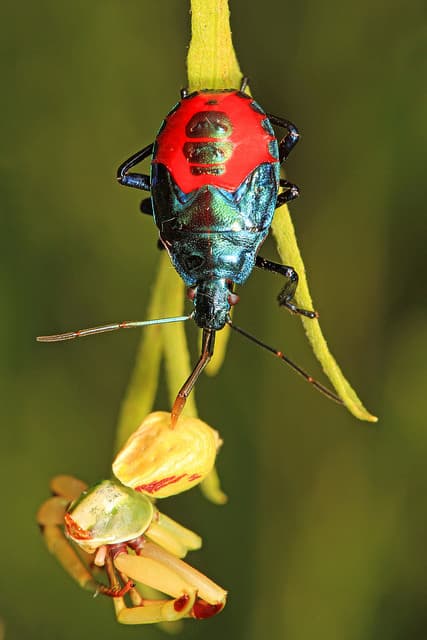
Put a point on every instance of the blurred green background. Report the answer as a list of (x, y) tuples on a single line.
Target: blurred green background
[(324, 535)]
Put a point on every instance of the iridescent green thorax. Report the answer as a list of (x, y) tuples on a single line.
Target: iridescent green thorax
[(108, 513)]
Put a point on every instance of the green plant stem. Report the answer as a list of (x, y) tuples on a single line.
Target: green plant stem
[(211, 61), (142, 387), (175, 349), (287, 247)]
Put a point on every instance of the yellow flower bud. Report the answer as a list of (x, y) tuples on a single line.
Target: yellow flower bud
[(160, 461)]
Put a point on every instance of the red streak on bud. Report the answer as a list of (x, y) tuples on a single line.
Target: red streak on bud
[(74, 531), (194, 476), (203, 609), (156, 485), (180, 603)]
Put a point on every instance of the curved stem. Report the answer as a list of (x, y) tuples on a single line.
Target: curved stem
[(287, 247)]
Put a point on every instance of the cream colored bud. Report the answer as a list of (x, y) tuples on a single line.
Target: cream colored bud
[(160, 461)]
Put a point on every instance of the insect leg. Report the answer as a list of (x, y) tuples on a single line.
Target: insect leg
[(146, 206), (50, 518), (286, 295), (291, 192), (291, 138), (135, 180)]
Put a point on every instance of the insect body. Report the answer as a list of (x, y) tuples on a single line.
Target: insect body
[(108, 520), (214, 186)]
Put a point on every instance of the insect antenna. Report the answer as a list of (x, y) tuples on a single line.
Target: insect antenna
[(80, 333), (317, 385)]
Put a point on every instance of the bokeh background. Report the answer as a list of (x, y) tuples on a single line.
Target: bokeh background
[(324, 535)]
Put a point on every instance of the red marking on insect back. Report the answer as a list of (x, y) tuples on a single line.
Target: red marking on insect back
[(181, 603), (74, 531), (156, 485), (248, 142), (194, 476), (203, 609)]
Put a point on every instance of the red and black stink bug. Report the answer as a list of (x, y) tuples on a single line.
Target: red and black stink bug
[(214, 183)]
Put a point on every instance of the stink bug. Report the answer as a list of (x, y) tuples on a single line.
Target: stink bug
[(214, 183)]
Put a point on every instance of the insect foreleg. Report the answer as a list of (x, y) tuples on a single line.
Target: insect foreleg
[(135, 180), (291, 138)]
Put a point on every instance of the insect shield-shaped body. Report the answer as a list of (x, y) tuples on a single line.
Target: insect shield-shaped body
[(214, 184)]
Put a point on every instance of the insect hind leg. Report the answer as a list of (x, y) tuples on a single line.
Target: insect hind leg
[(291, 191), (286, 295)]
